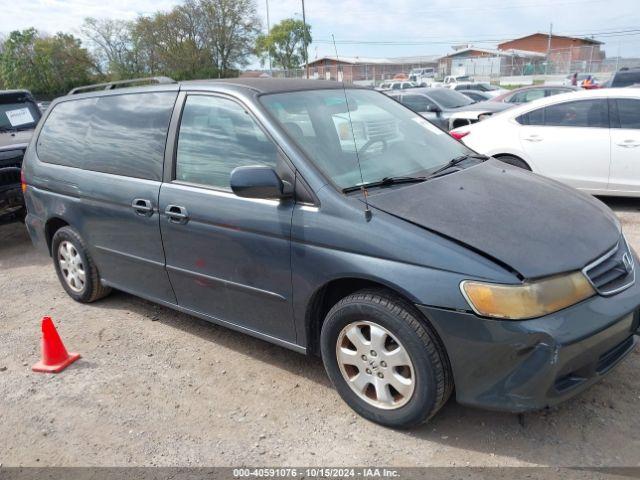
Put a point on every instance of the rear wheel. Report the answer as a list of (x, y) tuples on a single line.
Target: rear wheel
[(75, 268), (515, 161), (384, 360)]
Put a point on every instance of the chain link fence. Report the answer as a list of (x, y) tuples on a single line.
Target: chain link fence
[(558, 63)]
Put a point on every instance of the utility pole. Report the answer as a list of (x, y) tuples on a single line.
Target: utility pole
[(546, 65), (268, 32), (304, 39)]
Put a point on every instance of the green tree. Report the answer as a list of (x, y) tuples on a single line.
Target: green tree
[(47, 66), (173, 43), (230, 30), (63, 63), (199, 38), (113, 47), (285, 44)]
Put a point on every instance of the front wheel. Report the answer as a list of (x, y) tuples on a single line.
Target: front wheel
[(384, 360)]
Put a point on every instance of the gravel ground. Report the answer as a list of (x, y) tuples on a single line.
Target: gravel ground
[(156, 387)]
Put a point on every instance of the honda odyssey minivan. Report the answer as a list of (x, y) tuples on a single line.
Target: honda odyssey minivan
[(414, 266)]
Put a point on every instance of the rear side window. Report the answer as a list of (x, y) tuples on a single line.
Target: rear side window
[(118, 134), (628, 113), (582, 113)]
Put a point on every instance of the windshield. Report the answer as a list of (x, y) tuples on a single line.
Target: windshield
[(390, 139), (18, 115), (447, 98)]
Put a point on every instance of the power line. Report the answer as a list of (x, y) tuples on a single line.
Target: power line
[(475, 39)]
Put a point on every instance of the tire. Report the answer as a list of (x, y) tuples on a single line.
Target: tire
[(89, 290), (427, 368), (515, 161)]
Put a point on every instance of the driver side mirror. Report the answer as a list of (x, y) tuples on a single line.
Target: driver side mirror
[(433, 108), (259, 182)]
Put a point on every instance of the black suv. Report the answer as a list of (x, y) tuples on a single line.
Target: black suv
[(19, 115), (625, 77)]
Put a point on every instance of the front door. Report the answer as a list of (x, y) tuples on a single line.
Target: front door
[(625, 145), (569, 142), (227, 257)]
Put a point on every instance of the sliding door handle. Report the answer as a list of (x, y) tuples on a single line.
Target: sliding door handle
[(177, 214)]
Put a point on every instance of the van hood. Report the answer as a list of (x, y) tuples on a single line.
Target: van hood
[(534, 225)]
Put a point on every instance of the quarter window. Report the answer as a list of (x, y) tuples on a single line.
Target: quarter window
[(216, 136), (62, 139)]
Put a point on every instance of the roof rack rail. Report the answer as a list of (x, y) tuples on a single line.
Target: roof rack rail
[(119, 83)]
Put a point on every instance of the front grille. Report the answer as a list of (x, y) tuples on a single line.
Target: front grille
[(614, 271)]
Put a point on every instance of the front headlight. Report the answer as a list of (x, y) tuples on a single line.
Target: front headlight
[(529, 300)]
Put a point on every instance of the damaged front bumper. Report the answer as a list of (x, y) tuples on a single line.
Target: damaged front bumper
[(527, 365)]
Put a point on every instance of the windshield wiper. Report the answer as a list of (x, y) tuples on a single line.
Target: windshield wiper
[(455, 161), (385, 182)]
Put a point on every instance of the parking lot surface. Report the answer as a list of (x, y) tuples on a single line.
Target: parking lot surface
[(157, 387)]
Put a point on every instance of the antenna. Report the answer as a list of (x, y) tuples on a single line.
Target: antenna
[(367, 211)]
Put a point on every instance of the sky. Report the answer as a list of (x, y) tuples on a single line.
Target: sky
[(380, 28)]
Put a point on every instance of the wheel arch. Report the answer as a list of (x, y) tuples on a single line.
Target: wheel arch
[(520, 157), (327, 295), (51, 227)]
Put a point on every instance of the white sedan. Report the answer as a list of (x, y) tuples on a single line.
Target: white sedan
[(588, 139)]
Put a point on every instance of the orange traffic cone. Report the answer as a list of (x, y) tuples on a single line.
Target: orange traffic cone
[(54, 356)]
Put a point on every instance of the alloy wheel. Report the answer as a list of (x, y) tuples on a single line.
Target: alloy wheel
[(375, 365), (71, 266)]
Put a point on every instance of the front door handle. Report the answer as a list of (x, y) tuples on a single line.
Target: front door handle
[(177, 214), (142, 207), (629, 144), (533, 138)]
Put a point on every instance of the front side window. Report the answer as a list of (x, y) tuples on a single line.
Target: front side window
[(375, 132), (217, 135), (628, 113), (581, 113)]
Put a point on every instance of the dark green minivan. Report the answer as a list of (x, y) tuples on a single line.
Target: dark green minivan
[(334, 221)]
